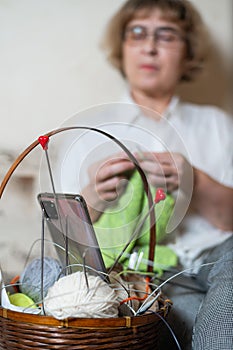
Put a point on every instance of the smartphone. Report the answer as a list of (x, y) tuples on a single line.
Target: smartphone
[(71, 229)]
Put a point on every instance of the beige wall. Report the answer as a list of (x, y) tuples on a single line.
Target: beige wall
[(51, 66)]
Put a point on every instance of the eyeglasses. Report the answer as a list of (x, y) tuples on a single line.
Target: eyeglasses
[(167, 37)]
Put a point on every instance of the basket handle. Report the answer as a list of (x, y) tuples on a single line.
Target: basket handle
[(18, 160)]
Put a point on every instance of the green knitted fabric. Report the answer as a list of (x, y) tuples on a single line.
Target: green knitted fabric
[(118, 223)]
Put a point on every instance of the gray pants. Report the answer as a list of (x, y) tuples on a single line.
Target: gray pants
[(203, 319)]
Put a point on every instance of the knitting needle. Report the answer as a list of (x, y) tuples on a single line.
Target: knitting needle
[(85, 271), (160, 195), (42, 262), (67, 246), (44, 140)]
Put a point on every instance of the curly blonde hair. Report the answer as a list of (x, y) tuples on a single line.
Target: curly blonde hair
[(180, 12)]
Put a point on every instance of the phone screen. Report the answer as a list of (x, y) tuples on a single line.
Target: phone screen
[(72, 231)]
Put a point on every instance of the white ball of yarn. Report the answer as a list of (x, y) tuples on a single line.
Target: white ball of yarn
[(69, 297)]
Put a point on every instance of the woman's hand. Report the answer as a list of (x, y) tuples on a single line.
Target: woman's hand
[(108, 180), (167, 170), (209, 198)]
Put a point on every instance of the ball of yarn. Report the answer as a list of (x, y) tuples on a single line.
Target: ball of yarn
[(20, 299), (120, 286), (30, 279), (70, 297)]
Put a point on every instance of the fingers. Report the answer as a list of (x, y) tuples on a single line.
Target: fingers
[(157, 168), (108, 180), (162, 169), (111, 178), (111, 189), (112, 168), (168, 183)]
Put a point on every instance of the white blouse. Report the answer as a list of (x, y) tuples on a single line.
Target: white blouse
[(203, 134)]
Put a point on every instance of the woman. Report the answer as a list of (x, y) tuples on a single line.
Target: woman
[(156, 44), (156, 49)]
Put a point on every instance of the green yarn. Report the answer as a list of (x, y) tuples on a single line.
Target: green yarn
[(117, 224), (164, 257), (20, 299)]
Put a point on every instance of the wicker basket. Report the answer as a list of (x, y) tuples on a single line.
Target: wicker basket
[(26, 331)]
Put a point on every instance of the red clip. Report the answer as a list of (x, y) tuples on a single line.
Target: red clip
[(160, 195), (44, 140)]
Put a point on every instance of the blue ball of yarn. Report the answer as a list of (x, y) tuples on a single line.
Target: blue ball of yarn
[(30, 279)]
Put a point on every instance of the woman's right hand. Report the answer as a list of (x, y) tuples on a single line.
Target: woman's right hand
[(107, 182)]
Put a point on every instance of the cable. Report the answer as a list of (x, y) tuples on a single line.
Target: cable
[(144, 306), (183, 285), (169, 328)]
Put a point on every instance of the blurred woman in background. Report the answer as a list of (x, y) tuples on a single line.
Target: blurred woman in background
[(155, 45)]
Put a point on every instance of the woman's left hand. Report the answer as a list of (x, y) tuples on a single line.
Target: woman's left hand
[(167, 170)]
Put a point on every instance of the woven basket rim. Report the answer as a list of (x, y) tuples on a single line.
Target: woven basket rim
[(112, 322)]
